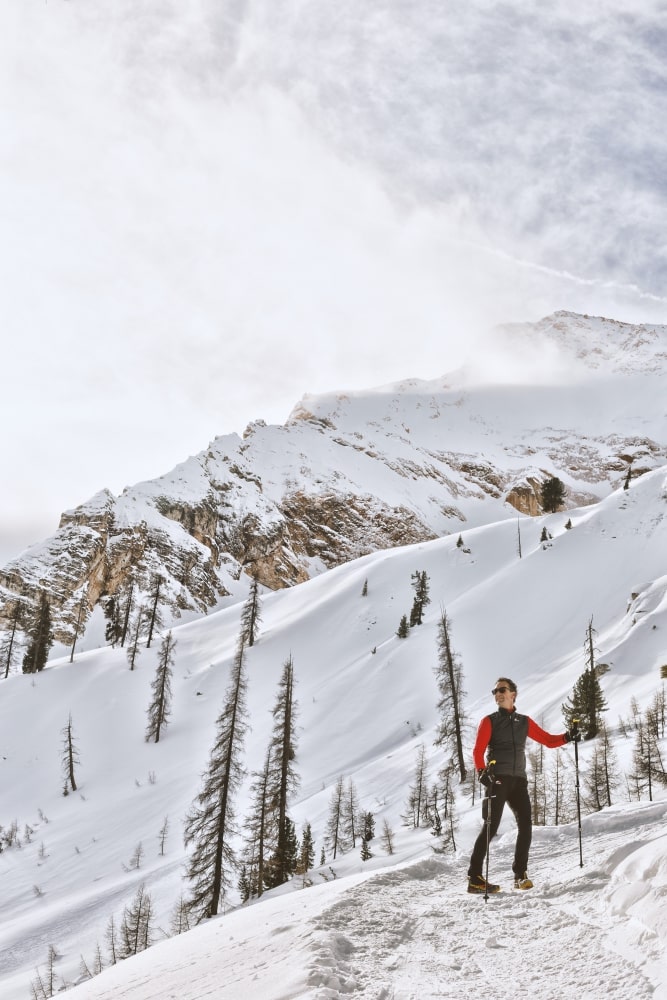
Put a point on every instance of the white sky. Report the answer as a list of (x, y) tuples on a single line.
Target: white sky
[(209, 210)]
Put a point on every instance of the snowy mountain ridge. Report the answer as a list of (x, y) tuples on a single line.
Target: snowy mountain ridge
[(367, 702), (351, 473)]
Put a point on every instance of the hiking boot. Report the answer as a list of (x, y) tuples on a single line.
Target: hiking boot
[(477, 884), (522, 881)]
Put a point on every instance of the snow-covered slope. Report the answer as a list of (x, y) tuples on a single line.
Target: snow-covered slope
[(351, 473), (367, 701)]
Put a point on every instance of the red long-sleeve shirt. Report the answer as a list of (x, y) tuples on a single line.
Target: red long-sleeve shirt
[(535, 732)]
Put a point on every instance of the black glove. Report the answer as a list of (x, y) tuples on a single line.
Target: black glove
[(572, 735), (486, 778)]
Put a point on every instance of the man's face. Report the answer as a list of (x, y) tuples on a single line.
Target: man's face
[(504, 697)]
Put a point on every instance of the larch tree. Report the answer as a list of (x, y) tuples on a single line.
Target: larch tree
[(70, 757), (136, 925), (8, 647), (133, 648), (210, 826), (601, 778), (284, 779), (251, 615), (159, 709), (127, 611), (334, 833), (449, 677), (40, 637), (154, 616), (80, 617), (258, 831), (417, 807), (351, 814)]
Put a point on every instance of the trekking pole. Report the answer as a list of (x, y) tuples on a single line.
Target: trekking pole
[(575, 731), (487, 820)]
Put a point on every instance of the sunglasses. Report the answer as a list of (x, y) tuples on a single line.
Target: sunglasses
[(500, 690)]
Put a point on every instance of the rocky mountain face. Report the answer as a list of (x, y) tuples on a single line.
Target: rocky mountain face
[(351, 473)]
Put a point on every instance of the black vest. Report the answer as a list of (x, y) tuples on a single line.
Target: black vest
[(507, 745)]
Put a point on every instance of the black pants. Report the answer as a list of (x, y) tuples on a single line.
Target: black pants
[(514, 792)]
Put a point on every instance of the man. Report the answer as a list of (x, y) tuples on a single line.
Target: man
[(501, 739)]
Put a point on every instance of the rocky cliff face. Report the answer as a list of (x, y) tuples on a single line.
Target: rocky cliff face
[(352, 473)]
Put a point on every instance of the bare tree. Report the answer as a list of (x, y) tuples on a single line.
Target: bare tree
[(83, 602), (418, 794), (136, 925), (449, 676), (70, 757), (350, 814), (387, 837), (16, 621), (334, 834)]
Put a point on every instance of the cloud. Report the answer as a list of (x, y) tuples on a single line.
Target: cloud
[(211, 209)]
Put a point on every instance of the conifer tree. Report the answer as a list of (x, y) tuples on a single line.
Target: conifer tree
[(350, 814), (40, 637), (443, 815), (79, 620), (70, 757), (283, 779), (601, 778), (16, 614), (403, 628), (113, 627), (180, 917), (587, 702), (553, 494), (133, 647), (449, 677), (136, 926), (210, 826), (127, 611), (159, 709), (647, 757), (258, 830), (368, 826), (537, 783), (251, 615), (244, 885), (111, 936), (334, 834), (306, 850), (560, 789), (420, 585), (418, 798), (154, 616), (387, 837)]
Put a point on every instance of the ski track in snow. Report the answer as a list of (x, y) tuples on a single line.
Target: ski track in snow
[(416, 934)]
